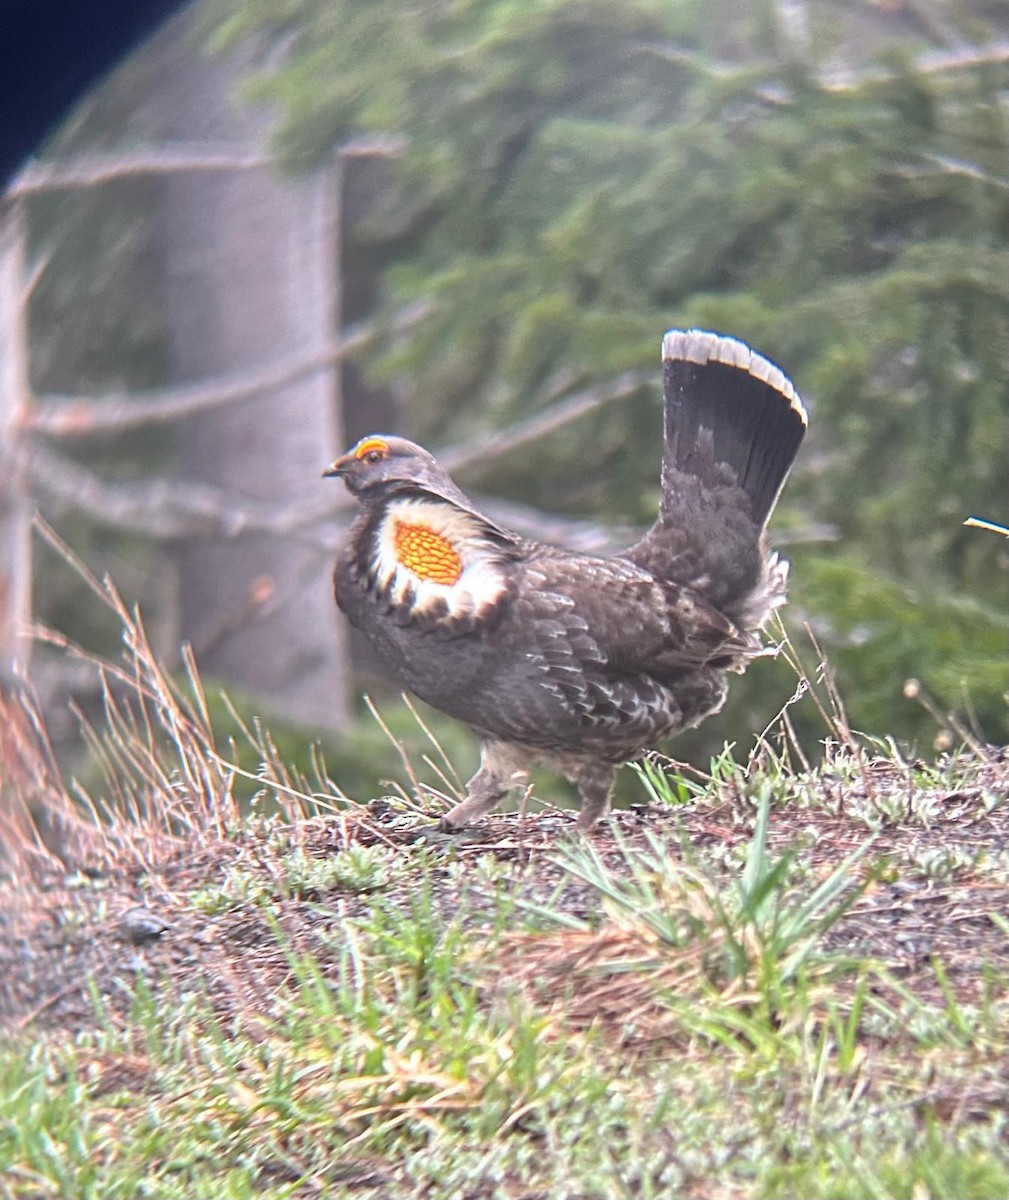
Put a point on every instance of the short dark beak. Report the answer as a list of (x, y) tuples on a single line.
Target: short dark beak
[(336, 469)]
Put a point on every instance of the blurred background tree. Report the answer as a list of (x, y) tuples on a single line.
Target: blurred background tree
[(826, 180)]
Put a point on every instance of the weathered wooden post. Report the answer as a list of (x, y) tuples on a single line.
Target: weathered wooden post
[(15, 505)]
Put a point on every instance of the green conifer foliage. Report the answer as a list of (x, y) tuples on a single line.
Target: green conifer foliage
[(828, 181)]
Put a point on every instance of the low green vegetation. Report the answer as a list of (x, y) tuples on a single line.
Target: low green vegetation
[(772, 978), (444, 1022)]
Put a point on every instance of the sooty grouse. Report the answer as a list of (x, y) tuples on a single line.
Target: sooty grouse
[(552, 655)]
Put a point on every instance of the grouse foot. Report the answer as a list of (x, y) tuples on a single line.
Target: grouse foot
[(502, 768)]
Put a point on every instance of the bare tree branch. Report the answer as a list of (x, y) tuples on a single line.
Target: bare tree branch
[(571, 408), (81, 416), (955, 166), (169, 510), (941, 30), (172, 509), (935, 62), (92, 170), (960, 58)]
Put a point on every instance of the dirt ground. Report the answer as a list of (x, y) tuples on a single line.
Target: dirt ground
[(77, 932)]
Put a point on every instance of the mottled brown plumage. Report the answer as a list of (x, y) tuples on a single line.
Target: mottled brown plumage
[(552, 655)]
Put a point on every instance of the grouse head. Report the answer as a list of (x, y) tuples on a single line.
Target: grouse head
[(423, 552), (379, 467)]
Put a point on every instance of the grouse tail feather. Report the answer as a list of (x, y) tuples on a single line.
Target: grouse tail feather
[(727, 407)]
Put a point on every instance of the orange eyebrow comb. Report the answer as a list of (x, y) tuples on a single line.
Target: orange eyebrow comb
[(369, 445)]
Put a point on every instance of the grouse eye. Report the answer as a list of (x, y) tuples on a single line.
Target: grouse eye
[(373, 457)]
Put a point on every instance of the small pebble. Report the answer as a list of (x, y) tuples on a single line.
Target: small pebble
[(140, 925)]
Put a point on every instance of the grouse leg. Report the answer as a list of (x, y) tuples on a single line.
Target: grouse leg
[(594, 781), (502, 767)]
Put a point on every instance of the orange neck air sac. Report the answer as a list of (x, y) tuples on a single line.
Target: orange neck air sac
[(427, 554)]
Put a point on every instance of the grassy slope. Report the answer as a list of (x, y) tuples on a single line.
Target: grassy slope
[(779, 980)]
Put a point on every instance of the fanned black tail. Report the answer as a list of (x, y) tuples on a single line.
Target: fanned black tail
[(726, 407)]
